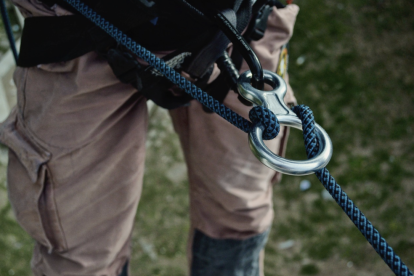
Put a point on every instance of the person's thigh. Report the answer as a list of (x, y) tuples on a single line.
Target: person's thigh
[(77, 149), (230, 190)]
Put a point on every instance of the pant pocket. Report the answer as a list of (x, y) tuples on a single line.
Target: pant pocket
[(29, 187)]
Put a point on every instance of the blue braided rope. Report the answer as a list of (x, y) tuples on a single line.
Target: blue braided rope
[(357, 217)]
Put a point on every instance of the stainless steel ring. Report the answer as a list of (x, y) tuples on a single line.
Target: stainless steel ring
[(274, 101)]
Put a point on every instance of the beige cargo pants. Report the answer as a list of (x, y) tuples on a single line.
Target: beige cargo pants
[(77, 150)]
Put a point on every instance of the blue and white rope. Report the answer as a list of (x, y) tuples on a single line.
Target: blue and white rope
[(358, 218)]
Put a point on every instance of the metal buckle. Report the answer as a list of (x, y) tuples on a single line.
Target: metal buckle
[(273, 100)]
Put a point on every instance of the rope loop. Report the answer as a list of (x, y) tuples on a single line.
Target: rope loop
[(268, 119), (305, 114)]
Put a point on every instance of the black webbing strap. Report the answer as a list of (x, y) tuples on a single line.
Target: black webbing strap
[(122, 13), (238, 14), (148, 81), (52, 39), (212, 51), (56, 39), (219, 88)]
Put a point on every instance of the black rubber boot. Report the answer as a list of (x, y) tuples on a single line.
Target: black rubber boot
[(226, 257), (124, 270)]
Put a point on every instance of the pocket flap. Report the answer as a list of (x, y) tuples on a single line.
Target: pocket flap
[(30, 154)]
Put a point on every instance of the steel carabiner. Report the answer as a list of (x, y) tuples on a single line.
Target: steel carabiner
[(273, 100)]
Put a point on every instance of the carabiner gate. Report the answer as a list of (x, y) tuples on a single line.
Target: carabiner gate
[(273, 100)]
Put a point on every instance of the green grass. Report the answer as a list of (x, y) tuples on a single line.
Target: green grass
[(358, 79)]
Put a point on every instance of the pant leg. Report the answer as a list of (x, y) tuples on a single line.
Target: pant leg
[(230, 190), (77, 149), (77, 146)]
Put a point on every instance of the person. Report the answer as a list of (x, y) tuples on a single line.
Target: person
[(76, 163)]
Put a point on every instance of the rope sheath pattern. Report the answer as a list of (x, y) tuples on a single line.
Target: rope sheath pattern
[(357, 217), (268, 120), (160, 65)]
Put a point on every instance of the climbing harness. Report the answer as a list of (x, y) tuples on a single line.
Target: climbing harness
[(265, 117), (57, 39)]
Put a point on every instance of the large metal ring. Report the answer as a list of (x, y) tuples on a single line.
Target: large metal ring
[(273, 100)]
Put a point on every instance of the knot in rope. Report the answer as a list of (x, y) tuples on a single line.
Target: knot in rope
[(268, 119)]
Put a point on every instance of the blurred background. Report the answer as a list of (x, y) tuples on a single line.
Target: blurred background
[(352, 62)]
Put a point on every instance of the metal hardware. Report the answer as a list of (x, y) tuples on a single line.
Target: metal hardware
[(273, 100)]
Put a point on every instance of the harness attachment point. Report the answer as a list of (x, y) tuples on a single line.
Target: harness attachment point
[(268, 119), (125, 67), (261, 22)]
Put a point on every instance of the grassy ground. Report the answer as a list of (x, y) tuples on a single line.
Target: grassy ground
[(352, 63), (4, 43)]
